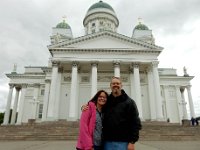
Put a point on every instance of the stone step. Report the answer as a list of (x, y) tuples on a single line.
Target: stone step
[(63, 130)]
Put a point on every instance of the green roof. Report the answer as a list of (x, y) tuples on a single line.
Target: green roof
[(63, 25), (101, 4), (141, 27)]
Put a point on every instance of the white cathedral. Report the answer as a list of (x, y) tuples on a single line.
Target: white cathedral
[(80, 66)]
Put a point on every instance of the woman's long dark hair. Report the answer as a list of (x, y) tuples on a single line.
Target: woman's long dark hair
[(95, 98)]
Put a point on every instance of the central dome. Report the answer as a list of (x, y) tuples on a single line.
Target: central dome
[(99, 17), (100, 4)]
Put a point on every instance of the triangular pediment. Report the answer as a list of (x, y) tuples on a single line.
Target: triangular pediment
[(105, 40)]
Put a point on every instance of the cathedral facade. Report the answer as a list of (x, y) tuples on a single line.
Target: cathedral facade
[(80, 66)]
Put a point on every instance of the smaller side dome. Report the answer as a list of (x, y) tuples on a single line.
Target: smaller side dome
[(142, 32), (61, 32), (141, 26), (63, 25)]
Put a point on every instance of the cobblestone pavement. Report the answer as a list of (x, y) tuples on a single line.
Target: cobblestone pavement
[(70, 145)]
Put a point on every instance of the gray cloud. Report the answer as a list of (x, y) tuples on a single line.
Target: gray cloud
[(169, 16)]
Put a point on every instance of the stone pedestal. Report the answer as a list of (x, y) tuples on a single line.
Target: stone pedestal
[(185, 122), (31, 121)]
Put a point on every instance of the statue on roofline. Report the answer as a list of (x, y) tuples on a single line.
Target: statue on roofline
[(185, 72)]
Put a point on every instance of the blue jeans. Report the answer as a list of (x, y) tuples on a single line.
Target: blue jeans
[(115, 145)]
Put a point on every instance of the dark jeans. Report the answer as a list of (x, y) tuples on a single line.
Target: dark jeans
[(98, 148)]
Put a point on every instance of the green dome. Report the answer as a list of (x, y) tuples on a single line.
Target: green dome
[(63, 25), (101, 4), (141, 27)]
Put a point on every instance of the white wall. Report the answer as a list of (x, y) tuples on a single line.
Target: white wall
[(64, 101), (145, 102)]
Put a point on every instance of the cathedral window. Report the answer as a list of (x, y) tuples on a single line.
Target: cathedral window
[(172, 94), (85, 79), (40, 110), (67, 79), (42, 92)]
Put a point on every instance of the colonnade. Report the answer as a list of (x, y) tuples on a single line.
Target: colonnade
[(175, 102), (18, 104), (51, 96), (19, 88), (183, 102), (49, 104)]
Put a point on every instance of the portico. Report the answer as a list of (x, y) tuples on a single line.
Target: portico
[(97, 75)]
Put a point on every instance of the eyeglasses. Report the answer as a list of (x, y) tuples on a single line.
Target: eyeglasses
[(103, 97), (115, 83)]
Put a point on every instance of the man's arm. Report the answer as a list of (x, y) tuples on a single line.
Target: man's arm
[(84, 107), (135, 123)]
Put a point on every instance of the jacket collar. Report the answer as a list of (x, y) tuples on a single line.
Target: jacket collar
[(120, 98)]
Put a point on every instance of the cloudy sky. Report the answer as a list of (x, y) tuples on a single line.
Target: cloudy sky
[(25, 27)]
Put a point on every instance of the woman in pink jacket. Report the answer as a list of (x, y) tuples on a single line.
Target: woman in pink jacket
[(90, 129)]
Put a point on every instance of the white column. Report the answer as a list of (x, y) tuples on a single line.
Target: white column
[(89, 31), (35, 101), (73, 98), (14, 111), (132, 83), (21, 104), (97, 26), (151, 94), (94, 79), (52, 97), (137, 86), (167, 104), (179, 103), (157, 91), (116, 68), (192, 113), (46, 100), (8, 106), (185, 115), (58, 88)]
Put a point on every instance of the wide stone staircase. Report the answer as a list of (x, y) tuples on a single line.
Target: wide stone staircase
[(163, 131), (65, 130)]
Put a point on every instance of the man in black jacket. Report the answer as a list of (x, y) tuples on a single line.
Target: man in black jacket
[(121, 122)]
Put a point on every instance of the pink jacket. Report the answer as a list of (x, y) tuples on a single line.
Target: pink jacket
[(86, 128)]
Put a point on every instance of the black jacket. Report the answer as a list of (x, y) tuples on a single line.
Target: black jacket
[(121, 119)]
